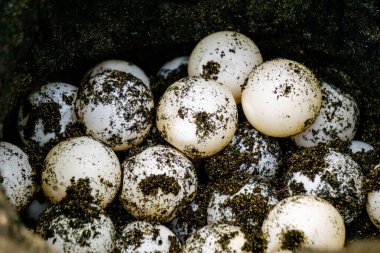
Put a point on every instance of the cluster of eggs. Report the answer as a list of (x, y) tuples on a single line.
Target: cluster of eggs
[(197, 117)]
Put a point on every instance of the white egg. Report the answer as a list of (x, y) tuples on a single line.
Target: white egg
[(122, 66), (373, 206), (47, 113), (197, 116), (17, 177), (157, 183), (304, 222), (81, 234), (217, 238), (359, 146), (226, 57), (172, 65), (81, 158), (115, 108), (337, 119), (144, 237), (281, 98)]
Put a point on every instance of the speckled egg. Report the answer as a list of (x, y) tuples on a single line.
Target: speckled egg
[(281, 98), (338, 119), (81, 158), (328, 174), (123, 66), (48, 114), (17, 177), (172, 66), (115, 108), (144, 237), (157, 183), (226, 57), (217, 238), (304, 222), (197, 116)]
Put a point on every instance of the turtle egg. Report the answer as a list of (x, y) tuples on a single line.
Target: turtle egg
[(197, 116), (172, 66), (81, 158), (122, 66), (226, 57), (115, 108), (281, 98), (373, 205), (304, 222), (48, 113), (217, 238), (359, 146), (16, 175), (337, 119), (143, 237), (157, 183)]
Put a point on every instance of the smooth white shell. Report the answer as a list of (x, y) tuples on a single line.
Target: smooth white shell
[(360, 146), (63, 96), (81, 157), (321, 224), (197, 116), (337, 119), (171, 180), (207, 240), (16, 175), (281, 98), (119, 65), (234, 54), (172, 65)]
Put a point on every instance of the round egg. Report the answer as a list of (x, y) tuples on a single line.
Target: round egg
[(217, 238), (123, 66), (197, 116), (328, 174), (281, 98), (304, 222), (226, 57), (17, 177), (249, 153), (66, 232), (143, 237), (373, 205), (359, 146), (338, 119), (157, 183), (48, 114), (172, 65), (115, 108), (81, 158)]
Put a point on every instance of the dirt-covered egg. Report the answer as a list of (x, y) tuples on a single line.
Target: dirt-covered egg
[(144, 237), (81, 158), (80, 231), (328, 174), (373, 204), (116, 108), (226, 57), (249, 153), (304, 222), (197, 116), (157, 183), (217, 238), (172, 66), (338, 119), (48, 113), (123, 66), (281, 98), (360, 146), (17, 177)]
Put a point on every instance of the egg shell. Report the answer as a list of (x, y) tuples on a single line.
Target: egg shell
[(157, 183), (359, 146), (47, 113), (197, 116), (143, 237), (226, 57), (373, 207), (172, 66), (17, 177), (217, 238), (317, 223), (115, 108), (81, 158), (122, 66), (281, 98), (67, 234), (338, 119)]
